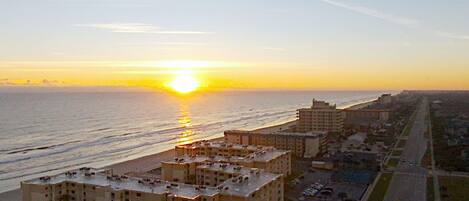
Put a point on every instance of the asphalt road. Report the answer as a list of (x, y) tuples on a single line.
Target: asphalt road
[(410, 178)]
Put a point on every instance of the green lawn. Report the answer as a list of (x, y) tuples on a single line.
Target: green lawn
[(381, 187), (401, 143), (427, 158), (396, 153), (430, 191), (407, 130), (409, 125), (392, 162), (454, 188)]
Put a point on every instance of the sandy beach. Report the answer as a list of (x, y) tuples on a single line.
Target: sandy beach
[(360, 105), (142, 164), (14, 195)]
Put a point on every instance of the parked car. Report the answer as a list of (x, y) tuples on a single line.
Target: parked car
[(329, 189)]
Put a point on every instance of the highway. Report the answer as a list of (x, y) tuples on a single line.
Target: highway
[(410, 178)]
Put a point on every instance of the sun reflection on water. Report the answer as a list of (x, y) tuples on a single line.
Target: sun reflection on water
[(185, 121)]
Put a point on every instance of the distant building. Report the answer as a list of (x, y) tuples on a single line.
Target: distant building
[(384, 99), (366, 116), (307, 145), (321, 116)]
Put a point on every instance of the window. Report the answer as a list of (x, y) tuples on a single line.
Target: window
[(139, 194)]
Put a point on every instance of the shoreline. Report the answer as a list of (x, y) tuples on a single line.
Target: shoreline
[(152, 161)]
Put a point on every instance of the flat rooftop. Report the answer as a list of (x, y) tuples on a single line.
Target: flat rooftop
[(93, 177), (249, 181), (221, 144), (281, 133), (245, 185), (227, 168), (258, 156)]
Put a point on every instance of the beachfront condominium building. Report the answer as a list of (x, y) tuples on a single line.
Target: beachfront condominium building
[(184, 168), (267, 186), (321, 116), (90, 185), (306, 145), (267, 158), (384, 99), (366, 116), (215, 148)]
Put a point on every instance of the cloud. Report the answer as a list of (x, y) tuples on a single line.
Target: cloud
[(273, 48), (137, 28), (399, 20), (452, 35), (374, 13)]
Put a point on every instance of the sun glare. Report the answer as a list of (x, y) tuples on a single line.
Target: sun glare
[(184, 84)]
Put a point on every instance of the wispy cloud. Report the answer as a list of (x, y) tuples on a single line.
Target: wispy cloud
[(374, 13), (273, 48), (399, 20), (138, 28), (452, 35)]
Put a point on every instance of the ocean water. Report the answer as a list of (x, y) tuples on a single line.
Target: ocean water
[(47, 133)]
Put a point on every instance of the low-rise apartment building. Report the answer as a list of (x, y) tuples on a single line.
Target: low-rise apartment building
[(366, 115), (307, 144), (91, 185), (215, 148), (269, 159)]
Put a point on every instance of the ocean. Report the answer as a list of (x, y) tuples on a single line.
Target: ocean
[(47, 133)]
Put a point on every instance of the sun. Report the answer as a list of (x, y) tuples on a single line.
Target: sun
[(184, 84)]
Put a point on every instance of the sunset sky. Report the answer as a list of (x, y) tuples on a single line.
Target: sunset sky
[(240, 44)]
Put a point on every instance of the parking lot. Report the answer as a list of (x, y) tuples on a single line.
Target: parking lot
[(304, 188)]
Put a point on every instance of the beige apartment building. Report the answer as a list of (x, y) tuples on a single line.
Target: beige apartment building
[(306, 145), (215, 148), (245, 183), (321, 116), (366, 115), (269, 159), (90, 185)]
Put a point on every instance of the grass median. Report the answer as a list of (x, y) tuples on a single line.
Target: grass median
[(396, 153), (430, 190), (392, 162), (401, 143), (379, 191)]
